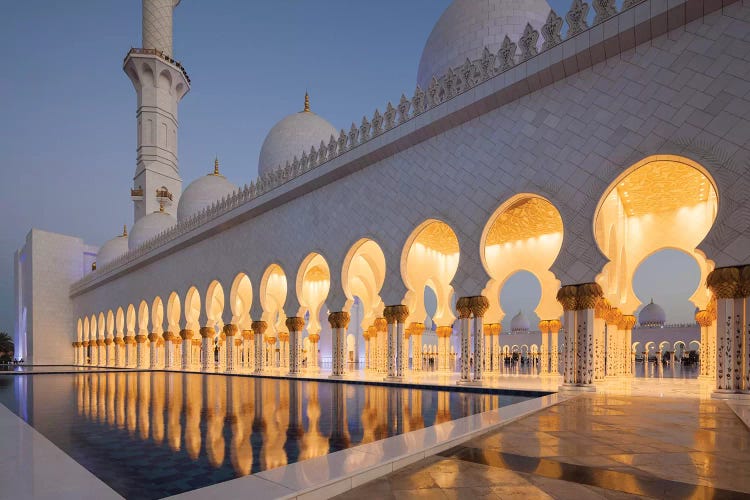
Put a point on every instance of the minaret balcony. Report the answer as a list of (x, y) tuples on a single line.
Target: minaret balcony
[(159, 54), (163, 196), (136, 194)]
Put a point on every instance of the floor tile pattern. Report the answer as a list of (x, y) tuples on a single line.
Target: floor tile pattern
[(593, 446)]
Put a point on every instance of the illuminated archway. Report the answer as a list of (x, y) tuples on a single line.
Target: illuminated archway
[(173, 313), (143, 318), (240, 300), (157, 316), (313, 284), (524, 234), (273, 290), (192, 309), (215, 306), (431, 257), (661, 202)]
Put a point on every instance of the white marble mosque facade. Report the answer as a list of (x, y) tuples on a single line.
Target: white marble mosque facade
[(657, 82)]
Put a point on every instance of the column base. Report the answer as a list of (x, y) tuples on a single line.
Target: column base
[(576, 388), (336, 377), (722, 394), (394, 378), (292, 375)]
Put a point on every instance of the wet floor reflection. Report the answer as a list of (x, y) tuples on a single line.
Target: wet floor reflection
[(148, 435)]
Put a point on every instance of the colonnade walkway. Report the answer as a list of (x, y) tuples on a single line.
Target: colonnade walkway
[(593, 446)]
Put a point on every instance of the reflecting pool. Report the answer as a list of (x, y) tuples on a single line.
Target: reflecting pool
[(153, 434)]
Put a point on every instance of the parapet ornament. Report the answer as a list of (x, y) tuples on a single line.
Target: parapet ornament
[(576, 17), (604, 10), (527, 42), (551, 31), (507, 54)]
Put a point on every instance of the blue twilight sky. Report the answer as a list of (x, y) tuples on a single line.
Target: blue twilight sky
[(67, 137)]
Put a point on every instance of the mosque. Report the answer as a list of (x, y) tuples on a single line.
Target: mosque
[(566, 145)]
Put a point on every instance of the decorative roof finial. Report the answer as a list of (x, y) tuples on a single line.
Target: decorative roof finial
[(124, 229), (307, 103), (216, 165), (161, 207)]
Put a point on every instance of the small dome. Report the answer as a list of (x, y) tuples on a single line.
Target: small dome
[(148, 227), (202, 192), (652, 315), (519, 323), (113, 248), (468, 26), (291, 136)]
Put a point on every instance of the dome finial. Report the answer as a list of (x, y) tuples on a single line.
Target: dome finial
[(124, 229), (307, 102), (161, 207), (216, 165)]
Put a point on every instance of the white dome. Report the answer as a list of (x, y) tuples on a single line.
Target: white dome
[(291, 136), (652, 315), (468, 26), (112, 249), (149, 226), (519, 323), (202, 192)]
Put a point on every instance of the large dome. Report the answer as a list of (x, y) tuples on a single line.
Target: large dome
[(112, 249), (202, 192), (468, 26), (652, 315), (291, 136), (519, 323), (148, 227)]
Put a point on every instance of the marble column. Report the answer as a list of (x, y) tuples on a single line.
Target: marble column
[(416, 346), (554, 331), (259, 328), (207, 348), (109, 350), (187, 349), (544, 329), (141, 354), (390, 354), (601, 312), (366, 337), (578, 303), (248, 354), (75, 353), (230, 330), (339, 321), (153, 359), (443, 334), (312, 355), (381, 327), (464, 316), (295, 325), (731, 287), (119, 352), (626, 326), (395, 316), (478, 305)]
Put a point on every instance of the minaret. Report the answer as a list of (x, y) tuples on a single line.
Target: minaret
[(160, 83)]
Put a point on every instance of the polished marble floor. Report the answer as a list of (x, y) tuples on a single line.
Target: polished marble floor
[(592, 446)]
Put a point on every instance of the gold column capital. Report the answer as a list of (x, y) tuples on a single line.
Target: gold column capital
[(380, 324), (247, 334), (444, 331), (119, 341), (724, 282), (186, 334), (339, 319), (314, 338), (554, 326), (108, 341), (396, 313), (495, 328), (207, 332), (230, 330), (295, 324), (567, 296), (259, 327), (153, 337), (140, 339), (703, 318), (463, 307), (168, 335), (587, 295), (544, 326), (627, 322), (601, 310), (85, 343), (478, 305)]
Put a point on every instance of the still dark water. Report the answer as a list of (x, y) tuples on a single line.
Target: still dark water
[(150, 435)]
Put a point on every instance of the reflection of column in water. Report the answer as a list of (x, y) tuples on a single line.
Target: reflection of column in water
[(101, 399), (111, 398), (241, 394), (144, 398), (272, 452), (120, 399), (416, 418), (157, 406), (295, 430), (132, 406), (193, 407), (216, 410), (80, 385), (369, 415), (93, 388), (405, 411), (174, 410), (339, 431), (443, 413), (314, 444)]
